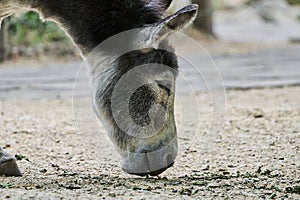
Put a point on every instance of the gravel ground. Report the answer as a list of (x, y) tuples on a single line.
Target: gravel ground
[(255, 157)]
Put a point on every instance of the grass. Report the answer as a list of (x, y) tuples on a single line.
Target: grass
[(5, 185)]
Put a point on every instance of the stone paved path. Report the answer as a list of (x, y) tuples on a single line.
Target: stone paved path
[(264, 68)]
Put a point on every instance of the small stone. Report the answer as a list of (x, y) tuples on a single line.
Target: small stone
[(231, 166), (226, 173), (257, 113), (213, 185), (43, 170)]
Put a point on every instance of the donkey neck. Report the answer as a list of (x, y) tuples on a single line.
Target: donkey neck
[(89, 23)]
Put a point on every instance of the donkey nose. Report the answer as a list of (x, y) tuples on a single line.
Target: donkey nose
[(144, 165), (150, 163)]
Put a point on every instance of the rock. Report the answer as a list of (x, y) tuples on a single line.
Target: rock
[(8, 164)]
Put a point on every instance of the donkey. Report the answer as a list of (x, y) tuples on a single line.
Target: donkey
[(89, 23)]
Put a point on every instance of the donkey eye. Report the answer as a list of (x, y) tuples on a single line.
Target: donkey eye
[(165, 86)]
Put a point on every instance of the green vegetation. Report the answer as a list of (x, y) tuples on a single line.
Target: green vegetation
[(21, 157), (294, 2), (29, 36), (5, 185), (30, 30)]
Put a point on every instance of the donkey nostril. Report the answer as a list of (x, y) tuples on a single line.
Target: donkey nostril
[(165, 86)]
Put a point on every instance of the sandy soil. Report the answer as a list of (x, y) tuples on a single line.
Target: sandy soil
[(255, 157)]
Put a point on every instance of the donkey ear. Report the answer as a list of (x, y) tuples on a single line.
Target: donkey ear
[(176, 22)]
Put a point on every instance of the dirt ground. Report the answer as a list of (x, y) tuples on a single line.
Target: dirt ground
[(256, 156)]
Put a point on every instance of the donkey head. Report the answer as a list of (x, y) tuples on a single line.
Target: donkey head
[(133, 95)]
